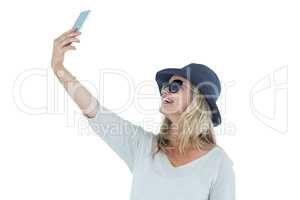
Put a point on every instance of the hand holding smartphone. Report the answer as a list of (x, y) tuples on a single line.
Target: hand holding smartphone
[(63, 43), (80, 21)]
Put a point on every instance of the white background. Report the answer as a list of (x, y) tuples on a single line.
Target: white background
[(46, 148)]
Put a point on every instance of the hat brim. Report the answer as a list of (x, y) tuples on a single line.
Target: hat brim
[(164, 75)]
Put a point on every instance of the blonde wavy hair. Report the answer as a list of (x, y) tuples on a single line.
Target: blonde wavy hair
[(195, 127)]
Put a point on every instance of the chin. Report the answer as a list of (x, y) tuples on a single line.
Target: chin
[(167, 111)]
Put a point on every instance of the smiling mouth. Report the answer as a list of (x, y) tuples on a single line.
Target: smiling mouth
[(167, 101)]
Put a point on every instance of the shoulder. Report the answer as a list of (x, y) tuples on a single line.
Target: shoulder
[(222, 184), (223, 163), (222, 156), (218, 159)]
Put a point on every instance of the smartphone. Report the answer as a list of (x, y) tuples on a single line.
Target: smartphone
[(81, 19)]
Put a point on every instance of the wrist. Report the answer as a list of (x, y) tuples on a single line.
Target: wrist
[(63, 75), (57, 67)]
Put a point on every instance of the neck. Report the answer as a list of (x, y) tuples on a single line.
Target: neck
[(174, 122), (174, 131)]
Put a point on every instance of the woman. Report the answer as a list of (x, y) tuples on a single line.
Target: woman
[(183, 161)]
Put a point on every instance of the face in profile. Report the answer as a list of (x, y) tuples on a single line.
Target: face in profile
[(176, 95)]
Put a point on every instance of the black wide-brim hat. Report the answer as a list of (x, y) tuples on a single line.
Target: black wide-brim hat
[(203, 78)]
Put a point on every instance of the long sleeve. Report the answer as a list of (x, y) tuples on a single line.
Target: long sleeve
[(223, 187), (124, 138)]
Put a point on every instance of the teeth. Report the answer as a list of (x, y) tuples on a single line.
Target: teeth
[(167, 100)]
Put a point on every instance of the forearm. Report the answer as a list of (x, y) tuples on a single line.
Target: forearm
[(81, 96)]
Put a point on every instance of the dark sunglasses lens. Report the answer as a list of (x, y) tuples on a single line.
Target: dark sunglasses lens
[(175, 86), (164, 85), (178, 81)]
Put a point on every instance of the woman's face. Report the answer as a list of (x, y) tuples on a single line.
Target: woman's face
[(173, 104)]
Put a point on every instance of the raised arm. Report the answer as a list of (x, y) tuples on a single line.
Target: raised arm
[(125, 138), (82, 97)]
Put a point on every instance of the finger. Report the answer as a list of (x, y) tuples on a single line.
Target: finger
[(69, 31), (64, 37), (67, 48), (74, 34), (68, 41)]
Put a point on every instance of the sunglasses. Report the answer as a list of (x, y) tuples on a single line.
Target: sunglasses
[(173, 87)]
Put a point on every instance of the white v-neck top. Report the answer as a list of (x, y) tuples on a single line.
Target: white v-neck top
[(210, 177)]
